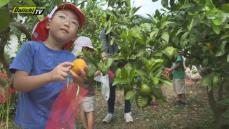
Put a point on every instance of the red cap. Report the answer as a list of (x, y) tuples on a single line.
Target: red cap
[(40, 32)]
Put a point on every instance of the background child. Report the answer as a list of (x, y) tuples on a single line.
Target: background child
[(41, 66), (178, 73), (83, 46)]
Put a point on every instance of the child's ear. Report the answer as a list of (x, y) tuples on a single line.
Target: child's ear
[(48, 24)]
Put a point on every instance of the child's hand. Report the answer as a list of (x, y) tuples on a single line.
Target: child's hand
[(166, 73), (60, 72), (79, 78), (97, 73)]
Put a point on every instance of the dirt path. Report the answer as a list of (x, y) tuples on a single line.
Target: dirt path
[(166, 116)]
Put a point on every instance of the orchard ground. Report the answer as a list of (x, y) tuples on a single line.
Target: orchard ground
[(196, 115), (165, 116)]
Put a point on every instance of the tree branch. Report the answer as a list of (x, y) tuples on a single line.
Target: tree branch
[(22, 28)]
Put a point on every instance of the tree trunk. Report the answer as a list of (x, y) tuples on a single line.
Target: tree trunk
[(218, 109)]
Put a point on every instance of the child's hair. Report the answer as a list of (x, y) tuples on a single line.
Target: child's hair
[(40, 32)]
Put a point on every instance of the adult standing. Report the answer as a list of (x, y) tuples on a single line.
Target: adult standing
[(109, 50)]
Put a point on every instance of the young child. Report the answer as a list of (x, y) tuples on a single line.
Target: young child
[(178, 73), (84, 46), (41, 66)]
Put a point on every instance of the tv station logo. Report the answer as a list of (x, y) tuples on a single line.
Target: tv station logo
[(29, 10)]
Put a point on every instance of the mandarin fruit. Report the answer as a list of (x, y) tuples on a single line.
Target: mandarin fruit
[(78, 64)]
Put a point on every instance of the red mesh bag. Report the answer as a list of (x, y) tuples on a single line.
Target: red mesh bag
[(64, 111)]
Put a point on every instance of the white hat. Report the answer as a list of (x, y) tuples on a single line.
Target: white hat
[(81, 42)]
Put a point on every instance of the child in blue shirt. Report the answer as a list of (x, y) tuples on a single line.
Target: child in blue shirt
[(41, 66)]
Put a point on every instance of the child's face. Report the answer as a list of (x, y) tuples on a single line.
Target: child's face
[(63, 26), (87, 51)]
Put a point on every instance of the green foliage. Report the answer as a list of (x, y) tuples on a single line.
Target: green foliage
[(3, 2), (142, 101), (5, 18), (130, 95)]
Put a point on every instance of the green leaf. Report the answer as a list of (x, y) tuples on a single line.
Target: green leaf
[(135, 9), (112, 41), (153, 34), (191, 24), (146, 27), (165, 36), (141, 73), (109, 62), (31, 3), (209, 4), (24, 3), (216, 28), (142, 101), (119, 81), (155, 80), (128, 69), (225, 36), (227, 57), (186, 6), (136, 32), (170, 52), (3, 2), (226, 26), (164, 3), (221, 51), (40, 17), (109, 30), (5, 19), (157, 92), (129, 95), (124, 74), (178, 32), (225, 7), (57, 2), (184, 36), (217, 21), (165, 24)]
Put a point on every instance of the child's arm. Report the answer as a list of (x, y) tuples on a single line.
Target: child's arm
[(24, 82)]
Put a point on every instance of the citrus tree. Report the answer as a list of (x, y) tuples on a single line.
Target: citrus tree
[(149, 45), (201, 27)]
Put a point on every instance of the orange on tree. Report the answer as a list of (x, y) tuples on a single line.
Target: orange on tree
[(78, 65)]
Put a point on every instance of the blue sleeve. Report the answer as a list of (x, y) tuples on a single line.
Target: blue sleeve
[(24, 59)]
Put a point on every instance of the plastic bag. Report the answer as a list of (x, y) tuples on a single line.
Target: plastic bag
[(105, 89)]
